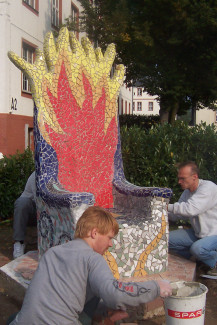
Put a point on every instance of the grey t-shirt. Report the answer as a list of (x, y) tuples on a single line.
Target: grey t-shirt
[(70, 275), (199, 207)]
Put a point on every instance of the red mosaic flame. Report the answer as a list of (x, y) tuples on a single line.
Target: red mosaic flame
[(85, 152)]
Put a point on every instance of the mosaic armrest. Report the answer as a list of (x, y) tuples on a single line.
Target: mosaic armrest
[(55, 195), (124, 187), (58, 211), (136, 198)]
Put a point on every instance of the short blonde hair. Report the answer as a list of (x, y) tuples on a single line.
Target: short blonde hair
[(95, 217), (194, 167)]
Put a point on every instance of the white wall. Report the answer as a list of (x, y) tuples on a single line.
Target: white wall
[(18, 22), (125, 100), (4, 64), (205, 115), (144, 99)]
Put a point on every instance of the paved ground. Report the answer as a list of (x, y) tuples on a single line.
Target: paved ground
[(10, 305)]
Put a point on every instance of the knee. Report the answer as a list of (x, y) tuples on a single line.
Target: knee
[(196, 249), (173, 235), (22, 202)]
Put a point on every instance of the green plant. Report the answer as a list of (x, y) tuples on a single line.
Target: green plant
[(150, 156), (142, 121), (14, 172)]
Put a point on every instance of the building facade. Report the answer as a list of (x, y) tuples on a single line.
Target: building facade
[(24, 24), (133, 100)]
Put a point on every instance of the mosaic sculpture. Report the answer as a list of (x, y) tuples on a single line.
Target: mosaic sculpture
[(78, 155)]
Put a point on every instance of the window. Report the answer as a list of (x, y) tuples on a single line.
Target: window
[(56, 13), (125, 107), (75, 18), (133, 106), (28, 53), (129, 108), (139, 91), (33, 5), (29, 141), (139, 106), (150, 106)]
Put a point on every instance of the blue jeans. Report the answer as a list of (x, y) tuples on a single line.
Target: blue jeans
[(184, 242)]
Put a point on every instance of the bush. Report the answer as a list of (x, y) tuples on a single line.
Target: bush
[(150, 156), (14, 172), (142, 121)]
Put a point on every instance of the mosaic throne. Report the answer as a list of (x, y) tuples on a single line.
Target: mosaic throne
[(78, 155)]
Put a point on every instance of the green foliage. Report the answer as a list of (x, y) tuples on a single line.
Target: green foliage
[(14, 172), (142, 121), (150, 156), (170, 46)]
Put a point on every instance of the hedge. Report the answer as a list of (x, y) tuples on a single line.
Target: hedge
[(14, 172), (150, 156)]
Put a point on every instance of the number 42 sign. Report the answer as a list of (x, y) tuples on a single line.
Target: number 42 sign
[(14, 104)]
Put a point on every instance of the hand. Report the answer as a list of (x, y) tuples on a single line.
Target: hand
[(117, 315), (165, 288), (114, 316)]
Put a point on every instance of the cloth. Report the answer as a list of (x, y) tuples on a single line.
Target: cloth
[(199, 207), (30, 188), (68, 277), (25, 210), (184, 242)]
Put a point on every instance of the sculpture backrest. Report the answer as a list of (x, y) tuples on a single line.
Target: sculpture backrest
[(76, 112)]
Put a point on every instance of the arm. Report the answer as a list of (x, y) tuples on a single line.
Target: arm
[(171, 215), (195, 204), (116, 294)]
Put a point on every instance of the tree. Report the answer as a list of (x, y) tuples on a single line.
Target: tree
[(170, 46)]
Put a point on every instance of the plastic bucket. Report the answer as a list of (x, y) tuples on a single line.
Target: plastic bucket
[(187, 303)]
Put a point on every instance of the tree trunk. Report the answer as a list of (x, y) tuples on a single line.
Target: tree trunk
[(172, 114), (164, 116)]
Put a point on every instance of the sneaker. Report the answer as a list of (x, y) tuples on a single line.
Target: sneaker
[(213, 271), (18, 249)]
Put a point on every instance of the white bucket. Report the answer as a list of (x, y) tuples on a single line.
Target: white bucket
[(187, 304)]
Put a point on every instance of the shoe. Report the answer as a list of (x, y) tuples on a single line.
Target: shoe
[(18, 249), (212, 271)]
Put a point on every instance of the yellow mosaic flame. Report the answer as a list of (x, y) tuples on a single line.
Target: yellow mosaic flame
[(78, 58), (112, 264), (139, 271), (140, 267)]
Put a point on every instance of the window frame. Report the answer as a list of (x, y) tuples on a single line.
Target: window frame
[(139, 106), (34, 9), (75, 9), (150, 106), (30, 49), (55, 26), (139, 91)]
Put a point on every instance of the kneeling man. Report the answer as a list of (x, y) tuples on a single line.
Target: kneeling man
[(197, 204)]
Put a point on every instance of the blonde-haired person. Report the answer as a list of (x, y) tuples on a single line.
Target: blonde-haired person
[(73, 277)]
